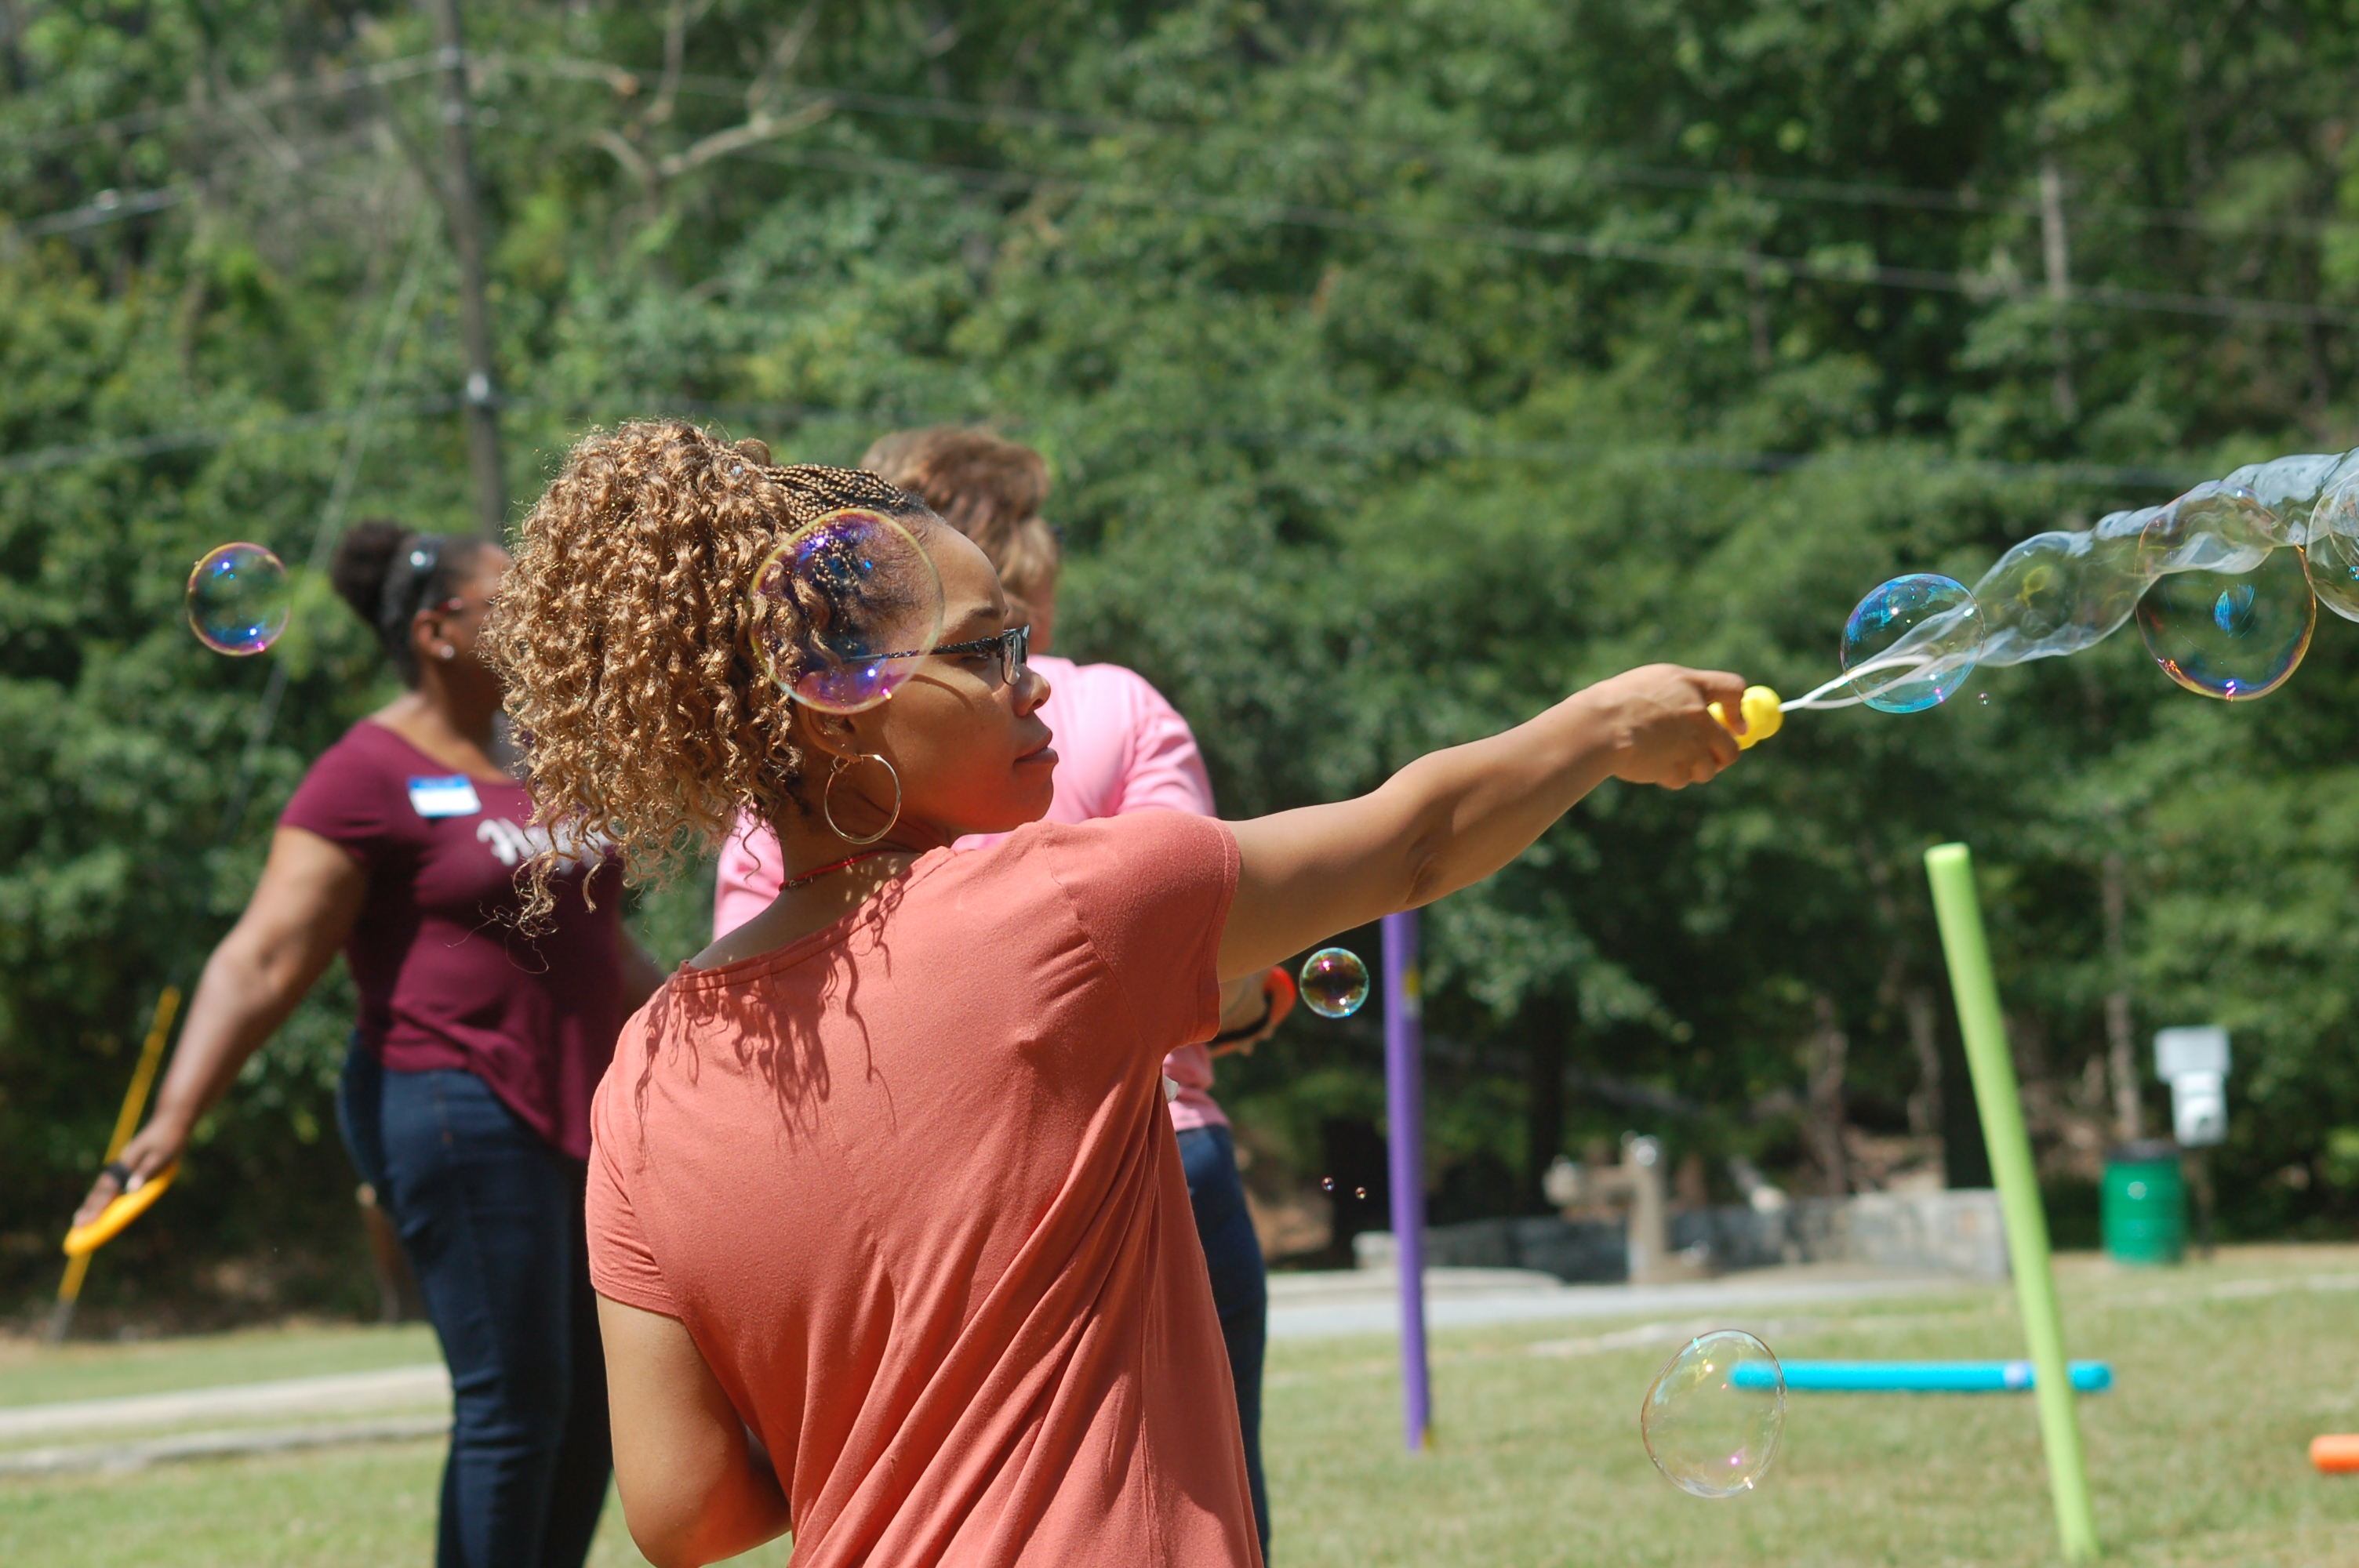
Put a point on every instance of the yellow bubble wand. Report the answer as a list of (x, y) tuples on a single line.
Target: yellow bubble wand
[(1765, 713), (85, 1239)]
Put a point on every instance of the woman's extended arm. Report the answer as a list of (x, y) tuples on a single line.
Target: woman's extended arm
[(309, 895), (695, 1487), (1455, 817)]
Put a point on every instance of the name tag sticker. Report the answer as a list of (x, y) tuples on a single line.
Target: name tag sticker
[(452, 797)]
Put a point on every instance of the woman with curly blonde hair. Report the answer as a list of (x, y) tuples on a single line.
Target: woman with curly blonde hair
[(889, 1226), (1121, 747)]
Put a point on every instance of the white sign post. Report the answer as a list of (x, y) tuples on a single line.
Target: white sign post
[(2194, 1062)]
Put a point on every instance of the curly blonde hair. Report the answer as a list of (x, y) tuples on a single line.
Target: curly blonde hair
[(621, 633)]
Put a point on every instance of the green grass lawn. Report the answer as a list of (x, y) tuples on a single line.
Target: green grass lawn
[(2223, 1373), (34, 1374)]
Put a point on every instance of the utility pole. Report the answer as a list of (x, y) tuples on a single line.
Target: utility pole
[(2058, 253), (460, 207)]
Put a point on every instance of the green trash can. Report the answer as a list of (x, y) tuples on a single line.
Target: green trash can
[(2145, 1205)]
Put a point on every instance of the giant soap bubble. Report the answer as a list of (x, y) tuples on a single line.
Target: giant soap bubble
[(2224, 582)]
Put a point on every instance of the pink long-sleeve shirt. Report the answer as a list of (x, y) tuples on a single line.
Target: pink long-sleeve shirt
[(1120, 748)]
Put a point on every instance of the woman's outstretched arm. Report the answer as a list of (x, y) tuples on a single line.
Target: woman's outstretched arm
[(1455, 817), (312, 892)]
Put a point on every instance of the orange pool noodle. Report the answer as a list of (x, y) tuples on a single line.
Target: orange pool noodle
[(125, 1208), (2337, 1453)]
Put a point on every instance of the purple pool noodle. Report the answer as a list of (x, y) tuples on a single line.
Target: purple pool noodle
[(1404, 1115)]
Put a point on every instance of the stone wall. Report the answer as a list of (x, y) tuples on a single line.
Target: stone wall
[(1590, 1250), (1957, 1232)]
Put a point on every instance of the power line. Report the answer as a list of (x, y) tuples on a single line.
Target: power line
[(109, 207), (229, 106), (1426, 446), (1763, 267), (1603, 170), (288, 160), (1752, 263), (1578, 454), (1771, 268), (1767, 268), (73, 456), (626, 79)]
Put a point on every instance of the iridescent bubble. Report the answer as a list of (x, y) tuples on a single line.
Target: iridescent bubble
[(238, 599), (2231, 635), (2058, 592), (1914, 641), (2333, 550), (844, 611), (1714, 1413), (1334, 982)]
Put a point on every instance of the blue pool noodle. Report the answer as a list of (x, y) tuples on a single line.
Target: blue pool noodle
[(1919, 1377)]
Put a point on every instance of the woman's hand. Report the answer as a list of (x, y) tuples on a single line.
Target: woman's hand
[(151, 1149), (1659, 724), (1250, 1009), (309, 895), (1455, 817)]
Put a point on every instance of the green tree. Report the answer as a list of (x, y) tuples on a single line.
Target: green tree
[(1401, 366)]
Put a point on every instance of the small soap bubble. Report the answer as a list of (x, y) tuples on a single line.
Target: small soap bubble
[(2231, 636), (1327, 1183), (238, 599), (1359, 1192), (1334, 982), (844, 611), (1713, 1415), (1915, 639), (1983, 698)]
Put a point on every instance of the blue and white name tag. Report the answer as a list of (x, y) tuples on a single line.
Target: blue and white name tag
[(452, 797)]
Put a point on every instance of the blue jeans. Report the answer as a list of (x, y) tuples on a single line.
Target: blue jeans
[(491, 1217), (1239, 1286)]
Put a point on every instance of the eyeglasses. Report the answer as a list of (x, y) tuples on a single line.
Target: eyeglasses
[(1012, 647)]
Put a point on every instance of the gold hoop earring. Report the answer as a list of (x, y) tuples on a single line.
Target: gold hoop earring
[(827, 810)]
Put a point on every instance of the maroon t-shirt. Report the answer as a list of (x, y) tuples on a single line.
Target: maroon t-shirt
[(445, 978)]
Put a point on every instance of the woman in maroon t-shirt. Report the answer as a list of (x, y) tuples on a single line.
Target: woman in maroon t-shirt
[(466, 1096)]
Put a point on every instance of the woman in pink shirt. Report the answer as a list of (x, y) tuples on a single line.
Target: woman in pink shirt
[(885, 1229), (1120, 748)]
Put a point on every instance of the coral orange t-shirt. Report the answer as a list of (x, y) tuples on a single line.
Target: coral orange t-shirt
[(1120, 748), (909, 1184)]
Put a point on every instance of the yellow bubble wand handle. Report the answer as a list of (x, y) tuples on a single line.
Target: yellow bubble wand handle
[(1764, 716), (116, 1215)]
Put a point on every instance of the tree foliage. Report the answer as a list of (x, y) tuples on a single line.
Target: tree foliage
[(1402, 366)]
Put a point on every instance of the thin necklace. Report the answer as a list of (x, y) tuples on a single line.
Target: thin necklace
[(792, 882)]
